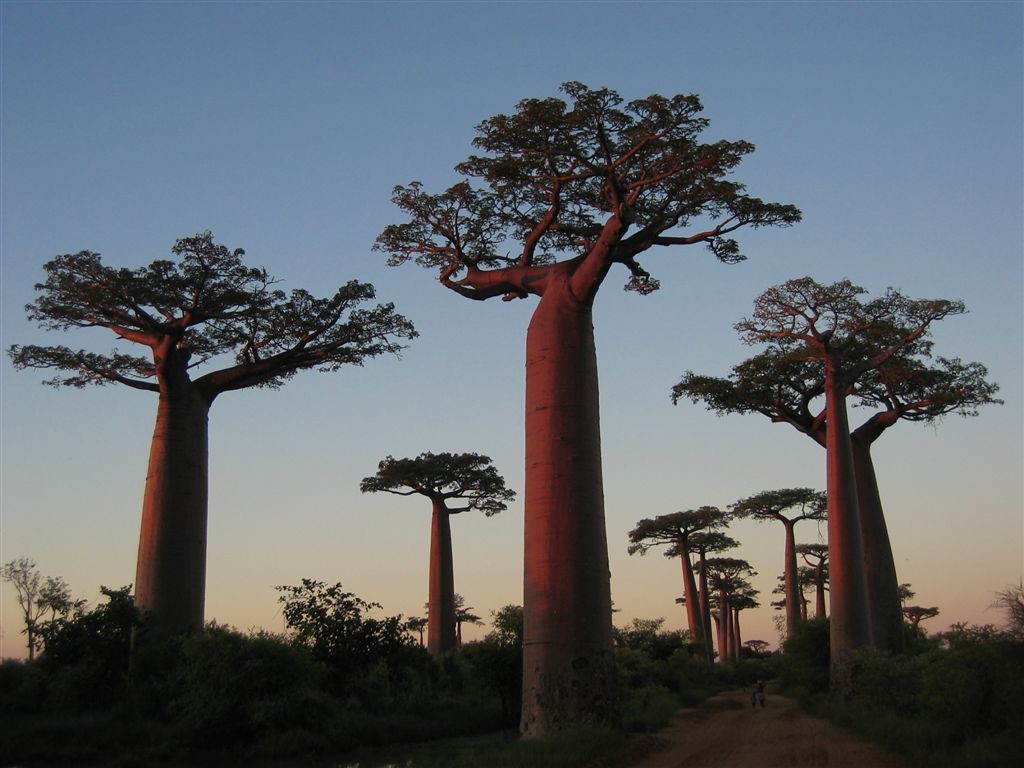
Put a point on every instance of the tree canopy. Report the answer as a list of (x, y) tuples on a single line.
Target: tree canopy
[(203, 303), (469, 477), (667, 530), (557, 176)]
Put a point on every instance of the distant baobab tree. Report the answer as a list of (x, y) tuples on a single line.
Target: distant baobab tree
[(916, 614), (574, 187), (825, 342), (703, 543), (199, 306), (441, 478), (727, 576), (417, 624), (816, 557), (788, 506), (673, 531)]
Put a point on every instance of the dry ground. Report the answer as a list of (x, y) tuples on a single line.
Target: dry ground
[(726, 732)]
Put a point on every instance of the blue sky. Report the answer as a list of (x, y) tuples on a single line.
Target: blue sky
[(282, 127)]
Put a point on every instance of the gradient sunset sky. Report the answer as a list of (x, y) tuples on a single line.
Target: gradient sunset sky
[(282, 127)]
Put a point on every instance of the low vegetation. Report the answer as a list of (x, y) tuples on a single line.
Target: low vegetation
[(343, 686), (952, 699)]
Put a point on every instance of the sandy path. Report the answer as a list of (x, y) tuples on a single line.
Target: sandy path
[(726, 732)]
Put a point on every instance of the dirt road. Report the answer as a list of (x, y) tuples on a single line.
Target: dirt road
[(726, 732)]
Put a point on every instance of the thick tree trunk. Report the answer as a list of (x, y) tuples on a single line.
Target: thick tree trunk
[(848, 590), (441, 630), (693, 617), (884, 609), (819, 593), (568, 663), (720, 631), (705, 610), (793, 597), (170, 579), (737, 640), (730, 632)]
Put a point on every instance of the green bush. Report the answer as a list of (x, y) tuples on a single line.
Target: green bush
[(234, 687)]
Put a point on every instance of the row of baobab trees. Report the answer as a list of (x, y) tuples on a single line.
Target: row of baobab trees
[(561, 192)]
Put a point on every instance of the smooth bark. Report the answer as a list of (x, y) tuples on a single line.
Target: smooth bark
[(693, 612), (849, 628), (568, 663), (885, 609), (793, 596), (170, 580), (705, 608), (441, 630)]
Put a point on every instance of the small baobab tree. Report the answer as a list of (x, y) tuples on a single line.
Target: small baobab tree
[(703, 543), (916, 614), (674, 531), (417, 624), (561, 193), (816, 557), (442, 478), (824, 339), (788, 506), (727, 576), (200, 306)]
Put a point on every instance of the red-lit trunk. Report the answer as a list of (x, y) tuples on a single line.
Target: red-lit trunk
[(170, 580), (737, 640), (568, 664), (819, 592), (693, 617), (884, 609), (441, 632), (849, 628), (793, 596), (705, 609)]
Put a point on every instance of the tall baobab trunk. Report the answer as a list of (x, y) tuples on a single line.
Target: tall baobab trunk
[(441, 632), (693, 615), (730, 632), (884, 609), (705, 609), (793, 597), (720, 630), (819, 592), (849, 627), (568, 663), (170, 578), (737, 640)]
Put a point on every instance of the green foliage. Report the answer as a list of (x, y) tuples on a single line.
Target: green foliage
[(235, 688), (804, 662), (334, 626), (951, 701), (203, 303), (554, 172), (87, 654), (467, 476)]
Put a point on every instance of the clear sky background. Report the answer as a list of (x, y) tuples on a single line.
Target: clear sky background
[(282, 127)]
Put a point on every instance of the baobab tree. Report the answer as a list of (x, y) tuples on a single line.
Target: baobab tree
[(826, 339), (743, 598), (674, 531), (784, 384), (916, 614), (816, 557), (703, 543), (417, 624), (726, 576), (199, 306), (788, 506), (561, 192), (442, 478)]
